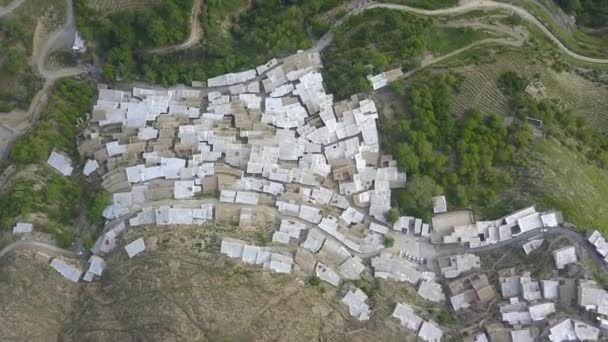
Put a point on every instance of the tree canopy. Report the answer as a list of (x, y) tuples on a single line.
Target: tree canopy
[(57, 127), (591, 13), (370, 43), (230, 42), (468, 158)]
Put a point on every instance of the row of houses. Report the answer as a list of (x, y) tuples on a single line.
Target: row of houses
[(459, 227)]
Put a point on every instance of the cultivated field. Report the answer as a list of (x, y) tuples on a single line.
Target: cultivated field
[(479, 89)]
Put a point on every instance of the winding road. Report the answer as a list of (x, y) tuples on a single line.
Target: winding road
[(196, 32), (10, 7), (463, 7), (58, 39), (32, 244), (545, 232)]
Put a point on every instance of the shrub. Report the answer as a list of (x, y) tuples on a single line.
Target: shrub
[(389, 241)]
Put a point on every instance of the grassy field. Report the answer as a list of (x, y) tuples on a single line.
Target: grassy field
[(562, 179), (443, 40), (558, 178), (479, 88)]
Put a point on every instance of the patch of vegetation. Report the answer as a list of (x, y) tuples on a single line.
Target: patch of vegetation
[(313, 281), (57, 197), (18, 82), (575, 39), (444, 317), (120, 35), (556, 121), (393, 215), (567, 170), (561, 178), (271, 29), (369, 43), (96, 205), (480, 87), (471, 158), (42, 195), (369, 287), (591, 13), (443, 40), (57, 127), (389, 241)]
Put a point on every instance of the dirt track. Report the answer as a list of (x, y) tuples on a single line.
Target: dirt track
[(196, 32), (475, 5), (11, 7)]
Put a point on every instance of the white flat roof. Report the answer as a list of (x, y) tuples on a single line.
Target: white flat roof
[(67, 270), (90, 166), (135, 247), (22, 228), (60, 163)]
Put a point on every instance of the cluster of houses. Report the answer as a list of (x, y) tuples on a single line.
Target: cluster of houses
[(270, 142), (459, 227), (269, 136), (532, 307), (425, 330)]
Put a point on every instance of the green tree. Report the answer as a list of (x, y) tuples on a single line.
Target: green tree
[(389, 241), (417, 197), (392, 215), (96, 206), (407, 159), (314, 281)]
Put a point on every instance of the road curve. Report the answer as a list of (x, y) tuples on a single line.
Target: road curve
[(31, 244), (10, 7), (61, 37), (196, 32), (537, 233), (485, 5)]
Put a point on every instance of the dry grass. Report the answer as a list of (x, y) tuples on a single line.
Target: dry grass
[(36, 300), (563, 179), (177, 290)]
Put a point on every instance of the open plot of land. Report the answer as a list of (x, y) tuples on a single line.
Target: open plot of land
[(480, 90), (36, 299)]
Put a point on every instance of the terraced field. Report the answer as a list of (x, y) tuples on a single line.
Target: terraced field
[(582, 96)]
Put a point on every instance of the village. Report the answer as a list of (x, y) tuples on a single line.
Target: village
[(268, 147)]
